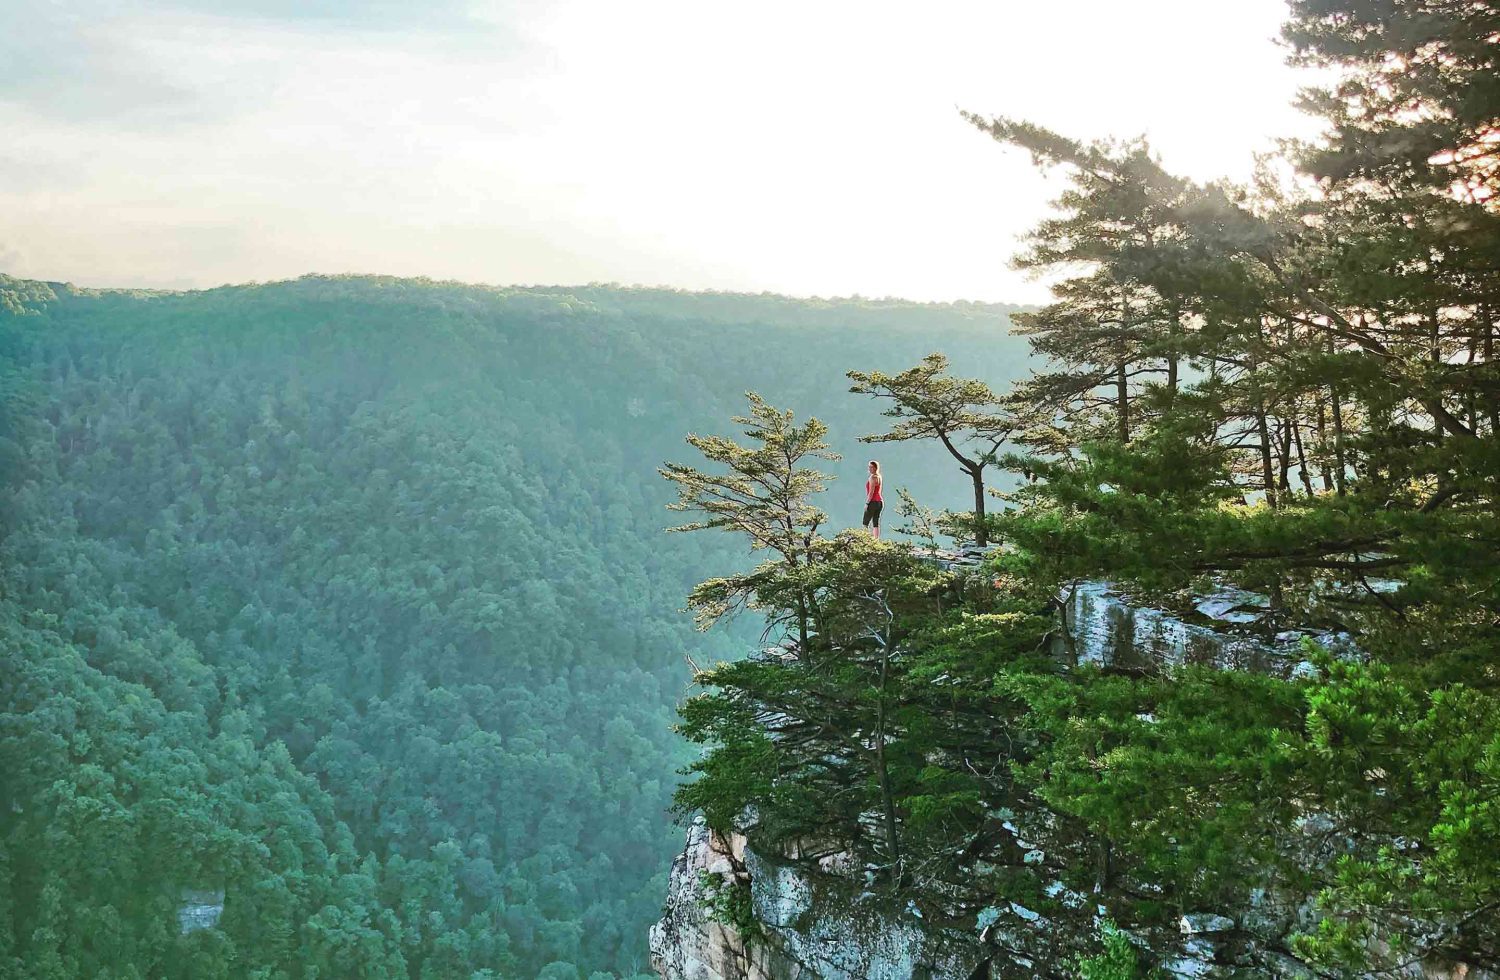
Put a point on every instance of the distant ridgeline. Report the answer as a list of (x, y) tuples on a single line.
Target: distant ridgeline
[(340, 636)]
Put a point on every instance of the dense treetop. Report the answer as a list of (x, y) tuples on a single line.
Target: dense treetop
[(348, 596)]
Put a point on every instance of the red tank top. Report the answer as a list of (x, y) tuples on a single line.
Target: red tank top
[(872, 490)]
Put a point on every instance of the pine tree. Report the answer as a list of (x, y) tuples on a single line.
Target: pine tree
[(1123, 321), (963, 414), (764, 492)]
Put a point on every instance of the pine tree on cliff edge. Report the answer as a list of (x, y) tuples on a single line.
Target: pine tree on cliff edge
[(765, 494)]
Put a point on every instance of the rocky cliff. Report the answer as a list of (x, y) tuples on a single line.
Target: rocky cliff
[(790, 934), (734, 914)]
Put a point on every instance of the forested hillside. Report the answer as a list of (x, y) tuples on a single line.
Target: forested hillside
[(349, 597)]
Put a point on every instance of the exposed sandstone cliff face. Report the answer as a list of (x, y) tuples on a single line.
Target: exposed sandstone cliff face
[(687, 943), (798, 937), (797, 934), (793, 939)]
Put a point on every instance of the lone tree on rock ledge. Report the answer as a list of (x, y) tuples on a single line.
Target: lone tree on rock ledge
[(964, 414), (765, 494)]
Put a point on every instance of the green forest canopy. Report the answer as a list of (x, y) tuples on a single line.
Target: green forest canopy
[(348, 596)]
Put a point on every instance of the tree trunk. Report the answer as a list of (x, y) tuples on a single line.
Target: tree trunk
[(975, 469), (1303, 470), (801, 626), (1340, 464), (1435, 352), (981, 533), (887, 797), (1470, 398), (1284, 452), (1175, 330), (1267, 471), (1122, 402), (1492, 398), (1324, 472)]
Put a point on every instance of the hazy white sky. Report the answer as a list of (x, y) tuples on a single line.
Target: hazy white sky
[(807, 147)]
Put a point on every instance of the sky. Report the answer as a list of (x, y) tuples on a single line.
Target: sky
[(812, 148)]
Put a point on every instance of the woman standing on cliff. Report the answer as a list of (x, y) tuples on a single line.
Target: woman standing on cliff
[(873, 500)]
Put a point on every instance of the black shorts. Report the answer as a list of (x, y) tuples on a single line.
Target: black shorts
[(872, 513)]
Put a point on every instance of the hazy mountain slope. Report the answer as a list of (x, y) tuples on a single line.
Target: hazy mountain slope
[(349, 596)]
